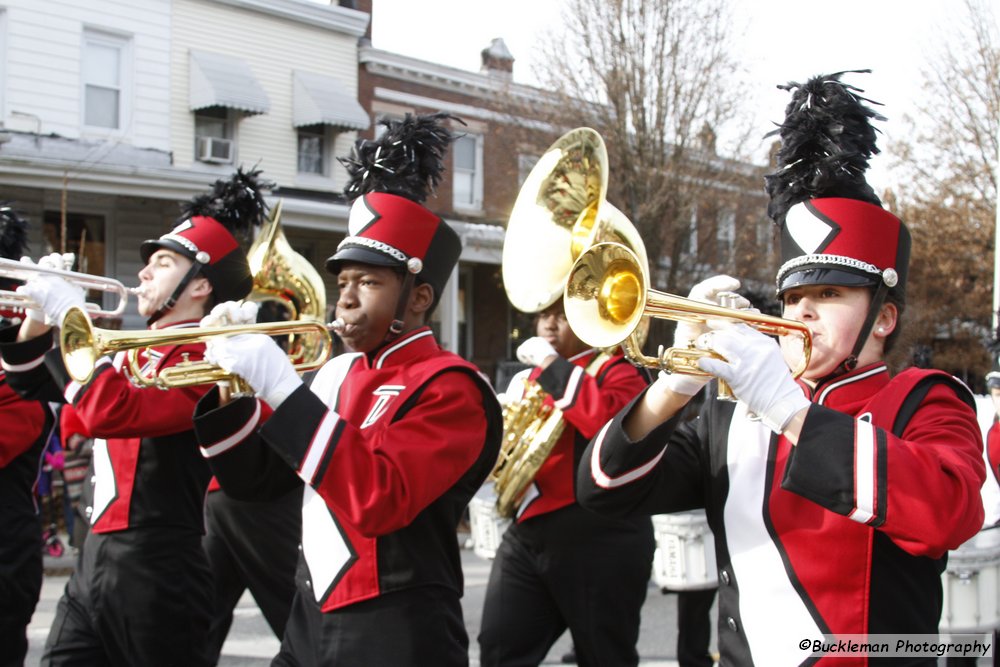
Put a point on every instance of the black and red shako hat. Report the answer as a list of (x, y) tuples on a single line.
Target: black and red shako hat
[(388, 230), (13, 245), (208, 242), (841, 241)]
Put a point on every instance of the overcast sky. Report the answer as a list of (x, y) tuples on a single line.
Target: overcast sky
[(785, 40)]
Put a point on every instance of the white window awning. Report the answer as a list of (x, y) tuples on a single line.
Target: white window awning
[(323, 100), (220, 80)]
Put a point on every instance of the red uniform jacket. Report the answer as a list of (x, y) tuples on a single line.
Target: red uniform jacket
[(587, 400), (148, 469), (26, 427), (391, 448), (842, 534)]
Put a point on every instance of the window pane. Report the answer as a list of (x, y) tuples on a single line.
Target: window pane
[(208, 123), (464, 150), (462, 188), (102, 65), (101, 107), (310, 153)]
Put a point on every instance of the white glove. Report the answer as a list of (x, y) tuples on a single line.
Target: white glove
[(231, 313), (714, 290), (54, 260), (535, 351), (259, 361), (756, 371), (52, 297)]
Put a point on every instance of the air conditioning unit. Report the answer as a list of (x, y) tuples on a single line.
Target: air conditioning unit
[(213, 149)]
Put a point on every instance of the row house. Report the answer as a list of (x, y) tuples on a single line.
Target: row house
[(112, 113)]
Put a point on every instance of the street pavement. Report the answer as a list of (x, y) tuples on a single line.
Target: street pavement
[(251, 644)]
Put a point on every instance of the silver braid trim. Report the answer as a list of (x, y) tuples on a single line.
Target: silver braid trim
[(395, 253), (826, 260), (187, 243)]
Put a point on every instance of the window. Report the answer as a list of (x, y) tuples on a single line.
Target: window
[(213, 130), (312, 150), (725, 235), (467, 188), (103, 80), (525, 163)]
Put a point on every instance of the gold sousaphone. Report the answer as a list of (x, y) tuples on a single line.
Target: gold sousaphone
[(560, 212), (279, 273)]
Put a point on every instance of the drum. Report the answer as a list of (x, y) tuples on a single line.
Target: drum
[(971, 585), (487, 527), (684, 559)]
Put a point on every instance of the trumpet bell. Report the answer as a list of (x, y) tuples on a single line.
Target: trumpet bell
[(79, 346), (604, 295)]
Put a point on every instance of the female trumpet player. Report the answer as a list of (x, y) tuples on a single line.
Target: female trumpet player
[(832, 499), (141, 591)]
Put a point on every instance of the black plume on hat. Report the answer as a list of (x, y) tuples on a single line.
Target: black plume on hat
[(13, 233), (826, 142), (237, 202), (406, 160)]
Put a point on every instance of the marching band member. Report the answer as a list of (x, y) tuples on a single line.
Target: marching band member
[(391, 440), (560, 566), (832, 499), (141, 590), (27, 428)]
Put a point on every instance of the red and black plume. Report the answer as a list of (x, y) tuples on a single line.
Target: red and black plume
[(237, 202), (13, 232), (407, 159), (826, 142)]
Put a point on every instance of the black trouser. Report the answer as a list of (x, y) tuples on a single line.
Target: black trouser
[(20, 581), (251, 545), (137, 597), (694, 627), (567, 569), (416, 627)]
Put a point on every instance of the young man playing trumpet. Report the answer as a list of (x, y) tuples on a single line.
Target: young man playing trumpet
[(141, 591), (391, 440)]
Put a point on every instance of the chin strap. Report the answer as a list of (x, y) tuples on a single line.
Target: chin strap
[(172, 300), (413, 267), (889, 280)]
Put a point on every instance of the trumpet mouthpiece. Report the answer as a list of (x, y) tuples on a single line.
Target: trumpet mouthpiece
[(338, 325)]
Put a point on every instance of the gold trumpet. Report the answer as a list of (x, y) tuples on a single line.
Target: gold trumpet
[(607, 297), (15, 270), (83, 344)]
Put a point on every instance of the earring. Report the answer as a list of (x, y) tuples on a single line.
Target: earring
[(881, 329)]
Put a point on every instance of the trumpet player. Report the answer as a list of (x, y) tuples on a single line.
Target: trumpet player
[(832, 499), (27, 425), (390, 440), (141, 591)]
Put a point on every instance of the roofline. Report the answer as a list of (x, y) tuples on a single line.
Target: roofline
[(405, 68), (331, 17)]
